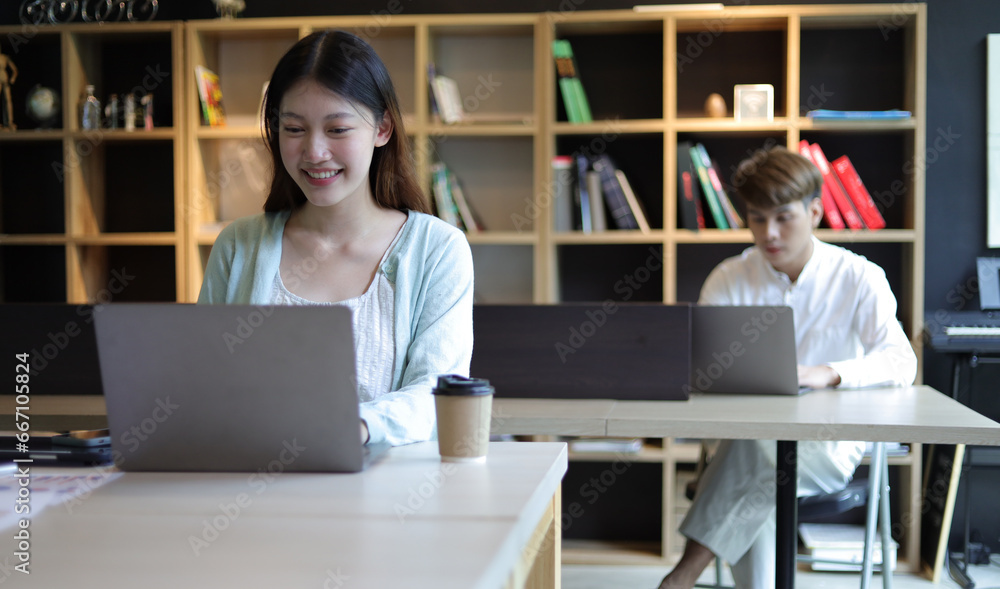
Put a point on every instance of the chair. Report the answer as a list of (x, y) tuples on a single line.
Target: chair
[(854, 495)]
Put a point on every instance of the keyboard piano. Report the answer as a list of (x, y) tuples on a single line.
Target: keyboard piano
[(964, 331)]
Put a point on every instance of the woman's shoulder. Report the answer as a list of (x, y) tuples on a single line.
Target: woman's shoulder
[(431, 228), (254, 226)]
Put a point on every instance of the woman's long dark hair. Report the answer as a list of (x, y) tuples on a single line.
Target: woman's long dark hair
[(346, 65)]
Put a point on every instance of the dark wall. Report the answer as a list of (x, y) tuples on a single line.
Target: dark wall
[(955, 162)]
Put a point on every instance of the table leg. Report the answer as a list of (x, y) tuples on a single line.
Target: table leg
[(786, 537)]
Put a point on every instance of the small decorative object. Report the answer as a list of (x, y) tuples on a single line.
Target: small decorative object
[(147, 111), (43, 105), (90, 110), (754, 102), (112, 113), (6, 81), (715, 106), (229, 8), (130, 112)]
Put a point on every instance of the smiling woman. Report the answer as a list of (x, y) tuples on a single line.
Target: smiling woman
[(345, 223)]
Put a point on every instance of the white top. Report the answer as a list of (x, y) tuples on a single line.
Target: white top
[(371, 320), (845, 317)]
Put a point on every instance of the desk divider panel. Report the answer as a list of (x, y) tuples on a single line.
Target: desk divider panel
[(610, 350)]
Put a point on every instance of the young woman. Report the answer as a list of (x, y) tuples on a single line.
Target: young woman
[(345, 223)]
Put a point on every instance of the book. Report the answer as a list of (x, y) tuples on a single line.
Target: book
[(448, 99), (614, 445), (847, 211), (689, 213), (210, 96), (841, 542), (822, 114), (856, 190), (468, 217), (618, 208), (635, 205), (444, 204), (583, 194), (732, 215), (699, 156), (562, 193), (831, 214), (598, 220), (570, 87)]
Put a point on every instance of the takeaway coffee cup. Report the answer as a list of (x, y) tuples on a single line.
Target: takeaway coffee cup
[(463, 417)]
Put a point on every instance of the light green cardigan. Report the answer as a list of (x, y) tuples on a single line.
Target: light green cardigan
[(430, 268)]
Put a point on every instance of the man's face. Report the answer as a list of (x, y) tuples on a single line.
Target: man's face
[(784, 233)]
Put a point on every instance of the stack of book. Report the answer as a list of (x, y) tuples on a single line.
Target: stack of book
[(699, 180), (450, 203), (846, 201), (592, 194)]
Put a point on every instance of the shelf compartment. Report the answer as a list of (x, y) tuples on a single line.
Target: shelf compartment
[(882, 162), (712, 58), (593, 493), (121, 187), (244, 59), (857, 67), (498, 187), (598, 272), (121, 61), (696, 261), (37, 53), (32, 273), (232, 182), (31, 188), (123, 273), (493, 67), (616, 88), (639, 156), (504, 274)]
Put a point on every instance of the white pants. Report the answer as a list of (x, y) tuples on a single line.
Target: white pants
[(733, 511)]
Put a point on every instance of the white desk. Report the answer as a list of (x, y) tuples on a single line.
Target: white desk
[(910, 414), (408, 521)]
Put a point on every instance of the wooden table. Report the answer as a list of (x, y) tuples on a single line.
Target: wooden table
[(917, 414), (408, 521)]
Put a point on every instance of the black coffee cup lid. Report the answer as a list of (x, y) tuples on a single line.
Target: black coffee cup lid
[(455, 384)]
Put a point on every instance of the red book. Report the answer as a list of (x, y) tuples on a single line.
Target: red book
[(859, 194), (851, 216), (830, 213)]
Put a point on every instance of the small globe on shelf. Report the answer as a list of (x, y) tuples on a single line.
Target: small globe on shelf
[(43, 106)]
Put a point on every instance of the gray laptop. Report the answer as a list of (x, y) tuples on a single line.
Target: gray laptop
[(744, 349), (230, 388)]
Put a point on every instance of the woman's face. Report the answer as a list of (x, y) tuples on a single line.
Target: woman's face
[(326, 143)]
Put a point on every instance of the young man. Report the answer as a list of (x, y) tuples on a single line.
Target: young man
[(846, 335)]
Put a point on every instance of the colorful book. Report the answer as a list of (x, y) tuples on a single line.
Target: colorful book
[(851, 217), (598, 220), (732, 215), (634, 204), (853, 115), (574, 97), (831, 214), (689, 213), (855, 188), (444, 204), (699, 156), (210, 96), (562, 193), (466, 214), (618, 208), (582, 193)]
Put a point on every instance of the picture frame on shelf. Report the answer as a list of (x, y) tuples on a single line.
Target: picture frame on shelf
[(753, 102)]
